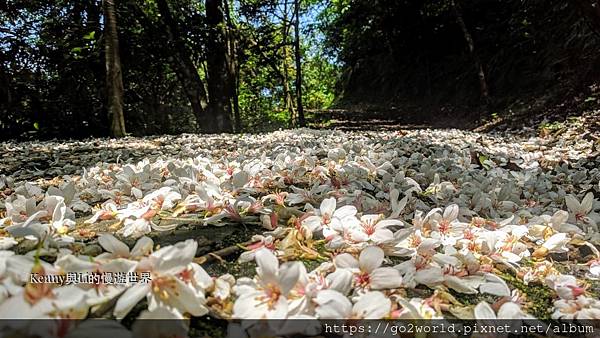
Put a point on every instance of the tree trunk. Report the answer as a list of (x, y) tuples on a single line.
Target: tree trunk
[(236, 104), (5, 94), (591, 11), (184, 67), (234, 72), (235, 90), (114, 80), (300, 109), (483, 87), (219, 74), (287, 95)]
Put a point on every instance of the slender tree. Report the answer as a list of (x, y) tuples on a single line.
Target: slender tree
[(114, 79), (5, 95), (287, 95), (297, 52), (187, 73), (233, 65), (219, 75), (483, 87)]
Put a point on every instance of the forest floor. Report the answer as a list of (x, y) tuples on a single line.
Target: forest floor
[(523, 114), (499, 216)]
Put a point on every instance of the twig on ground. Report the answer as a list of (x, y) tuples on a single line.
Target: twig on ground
[(183, 220), (219, 254)]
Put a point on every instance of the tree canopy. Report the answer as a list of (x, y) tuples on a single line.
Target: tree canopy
[(241, 65)]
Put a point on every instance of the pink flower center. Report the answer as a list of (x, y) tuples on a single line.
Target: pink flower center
[(271, 295), (468, 234), (444, 227), (186, 275), (414, 241), (363, 279), (280, 198), (368, 228), (161, 284)]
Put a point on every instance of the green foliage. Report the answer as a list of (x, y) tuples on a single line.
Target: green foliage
[(52, 69), (56, 72), (482, 160), (320, 79), (266, 52), (551, 126), (539, 297), (90, 36)]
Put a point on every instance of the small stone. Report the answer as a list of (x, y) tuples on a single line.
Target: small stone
[(92, 250)]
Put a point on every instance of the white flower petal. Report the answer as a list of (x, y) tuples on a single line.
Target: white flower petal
[(372, 305), (483, 310), (111, 244), (346, 260), (370, 258), (268, 265), (385, 278), (332, 305), (328, 206), (130, 298)]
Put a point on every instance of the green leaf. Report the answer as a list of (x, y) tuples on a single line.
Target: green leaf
[(482, 158), (36, 125), (90, 36), (76, 50)]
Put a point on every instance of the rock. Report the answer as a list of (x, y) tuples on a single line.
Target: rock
[(92, 250)]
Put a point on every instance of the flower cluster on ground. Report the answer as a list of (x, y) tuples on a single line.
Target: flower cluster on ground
[(356, 225)]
